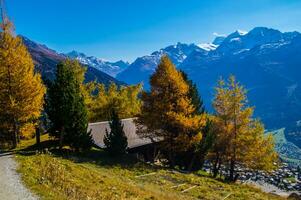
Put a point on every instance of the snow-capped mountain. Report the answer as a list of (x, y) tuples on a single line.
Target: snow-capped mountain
[(219, 39), (208, 46), (143, 67), (242, 41), (46, 59), (111, 68), (266, 61)]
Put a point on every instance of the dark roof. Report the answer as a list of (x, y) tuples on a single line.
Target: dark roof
[(98, 130)]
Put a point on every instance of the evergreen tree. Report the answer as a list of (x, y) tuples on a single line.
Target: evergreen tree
[(193, 157), (199, 151), (239, 138), (167, 111), (193, 94), (66, 108), (115, 140), (21, 89)]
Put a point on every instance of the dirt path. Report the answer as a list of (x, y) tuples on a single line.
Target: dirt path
[(11, 187)]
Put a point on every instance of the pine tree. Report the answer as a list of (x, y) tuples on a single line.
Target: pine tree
[(193, 157), (66, 108), (115, 140), (193, 94), (167, 112), (239, 138), (21, 89)]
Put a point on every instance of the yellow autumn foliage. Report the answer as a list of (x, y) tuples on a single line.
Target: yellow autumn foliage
[(21, 88), (27, 131), (240, 139), (123, 99), (167, 111)]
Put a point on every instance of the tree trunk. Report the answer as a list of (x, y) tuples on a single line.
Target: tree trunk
[(236, 177), (18, 135), (156, 153), (202, 160), (62, 138), (38, 137), (233, 158), (15, 135), (215, 166), (14, 139), (232, 170), (190, 166), (171, 159)]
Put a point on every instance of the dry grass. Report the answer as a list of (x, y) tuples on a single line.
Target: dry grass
[(95, 175)]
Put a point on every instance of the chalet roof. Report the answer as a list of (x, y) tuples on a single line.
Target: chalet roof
[(98, 131)]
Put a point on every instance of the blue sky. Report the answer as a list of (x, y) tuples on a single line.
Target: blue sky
[(126, 29)]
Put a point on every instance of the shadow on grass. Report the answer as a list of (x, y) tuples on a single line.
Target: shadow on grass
[(95, 155)]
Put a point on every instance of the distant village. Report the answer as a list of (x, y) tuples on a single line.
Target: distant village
[(286, 178)]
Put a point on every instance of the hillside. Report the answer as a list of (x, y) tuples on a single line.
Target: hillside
[(46, 59), (288, 151), (95, 175)]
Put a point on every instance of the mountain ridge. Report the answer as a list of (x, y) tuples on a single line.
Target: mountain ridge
[(46, 59), (266, 61), (111, 68)]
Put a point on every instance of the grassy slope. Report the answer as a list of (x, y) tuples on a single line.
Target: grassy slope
[(95, 175)]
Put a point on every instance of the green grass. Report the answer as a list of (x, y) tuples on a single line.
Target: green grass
[(95, 175), (291, 179)]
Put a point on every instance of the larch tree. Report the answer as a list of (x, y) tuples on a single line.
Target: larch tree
[(167, 113), (193, 157), (240, 139), (21, 88), (66, 109), (124, 100)]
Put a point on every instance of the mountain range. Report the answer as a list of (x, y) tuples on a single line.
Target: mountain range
[(46, 59), (266, 61), (111, 68)]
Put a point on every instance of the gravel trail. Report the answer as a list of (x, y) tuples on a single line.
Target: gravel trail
[(11, 186)]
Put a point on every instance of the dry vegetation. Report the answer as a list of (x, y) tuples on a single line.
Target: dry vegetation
[(94, 175)]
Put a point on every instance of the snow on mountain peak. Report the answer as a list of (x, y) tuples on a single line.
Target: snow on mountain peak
[(239, 41), (111, 68), (219, 35), (208, 46), (241, 32)]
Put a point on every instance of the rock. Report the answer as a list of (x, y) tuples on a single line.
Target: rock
[(294, 196)]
